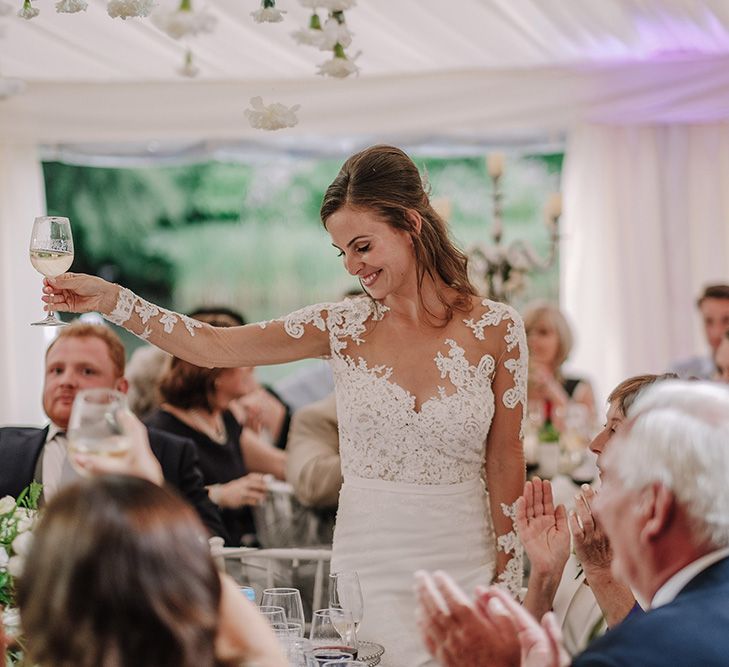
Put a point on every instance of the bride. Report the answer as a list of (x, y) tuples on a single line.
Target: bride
[(430, 383)]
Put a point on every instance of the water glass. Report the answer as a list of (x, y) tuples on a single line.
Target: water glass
[(274, 615), (289, 599), (334, 629), (93, 428)]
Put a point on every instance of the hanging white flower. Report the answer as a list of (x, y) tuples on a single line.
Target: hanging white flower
[(28, 11), (189, 69), (5, 8), (26, 519), (7, 504), (334, 33), (125, 9), (183, 21), (311, 35), (4, 558), (272, 116), (339, 66), (71, 6), (307, 36), (268, 15)]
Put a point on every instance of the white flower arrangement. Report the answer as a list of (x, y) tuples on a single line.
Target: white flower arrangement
[(267, 13), (27, 11), (336, 37), (183, 21), (272, 116), (17, 519), (71, 6), (125, 9)]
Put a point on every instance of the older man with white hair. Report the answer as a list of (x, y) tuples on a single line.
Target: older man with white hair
[(664, 505)]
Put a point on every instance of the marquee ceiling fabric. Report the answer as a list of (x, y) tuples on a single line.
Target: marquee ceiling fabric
[(428, 68)]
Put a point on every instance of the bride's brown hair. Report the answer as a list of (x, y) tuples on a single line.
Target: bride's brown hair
[(383, 179)]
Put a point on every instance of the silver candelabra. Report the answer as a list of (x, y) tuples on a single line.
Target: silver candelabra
[(501, 271)]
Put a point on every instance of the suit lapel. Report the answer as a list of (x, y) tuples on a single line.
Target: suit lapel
[(20, 450)]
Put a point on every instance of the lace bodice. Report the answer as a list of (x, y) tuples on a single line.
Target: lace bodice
[(382, 435)]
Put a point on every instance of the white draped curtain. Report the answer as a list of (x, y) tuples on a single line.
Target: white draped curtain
[(22, 347), (646, 225)]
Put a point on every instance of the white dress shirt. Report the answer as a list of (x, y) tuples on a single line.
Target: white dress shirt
[(668, 592), (56, 468)]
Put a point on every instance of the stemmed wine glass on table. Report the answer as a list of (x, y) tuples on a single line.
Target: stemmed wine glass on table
[(345, 592), (51, 253)]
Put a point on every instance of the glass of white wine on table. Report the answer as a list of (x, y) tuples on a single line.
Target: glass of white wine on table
[(51, 253)]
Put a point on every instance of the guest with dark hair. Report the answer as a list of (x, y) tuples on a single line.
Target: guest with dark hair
[(233, 459), (120, 573), (713, 304), (260, 407)]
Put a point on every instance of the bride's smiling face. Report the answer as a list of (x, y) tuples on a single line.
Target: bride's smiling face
[(381, 256)]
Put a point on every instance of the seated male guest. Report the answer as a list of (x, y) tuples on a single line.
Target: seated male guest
[(86, 356), (664, 505), (313, 466)]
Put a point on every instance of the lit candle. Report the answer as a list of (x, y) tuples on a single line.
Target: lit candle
[(553, 207), (495, 164)]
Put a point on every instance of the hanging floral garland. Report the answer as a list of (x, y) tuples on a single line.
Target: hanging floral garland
[(333, 35)]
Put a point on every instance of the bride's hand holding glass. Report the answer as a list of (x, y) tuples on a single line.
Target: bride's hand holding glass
[(79, 293)]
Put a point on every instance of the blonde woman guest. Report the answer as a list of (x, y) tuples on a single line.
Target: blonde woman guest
[(549, 338)]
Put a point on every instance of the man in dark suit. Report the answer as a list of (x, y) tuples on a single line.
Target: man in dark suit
[(86, 356), (664, 505)]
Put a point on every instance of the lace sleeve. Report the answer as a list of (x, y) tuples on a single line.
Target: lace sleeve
[(505, 470), (300, 335)]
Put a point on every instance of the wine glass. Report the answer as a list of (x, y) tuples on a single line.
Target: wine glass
[(93, 427), (290, 600), (51, 253), (346, 593), (333, 629)]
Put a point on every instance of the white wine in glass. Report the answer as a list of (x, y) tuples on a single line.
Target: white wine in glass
[(93, 428), (51, 253)]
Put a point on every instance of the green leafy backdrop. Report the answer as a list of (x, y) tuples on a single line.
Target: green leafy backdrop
[(249, 236)]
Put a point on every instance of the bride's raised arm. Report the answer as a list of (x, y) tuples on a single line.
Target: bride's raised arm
[(201, 344), (504, 467)]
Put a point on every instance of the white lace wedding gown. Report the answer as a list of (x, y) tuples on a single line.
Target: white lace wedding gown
[(413, 496)]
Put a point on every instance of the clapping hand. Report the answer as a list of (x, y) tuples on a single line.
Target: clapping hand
[(456, 633), (543, 528), (541, 644), (592, 546)]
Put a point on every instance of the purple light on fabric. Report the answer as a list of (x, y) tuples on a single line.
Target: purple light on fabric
[(659, 34)]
